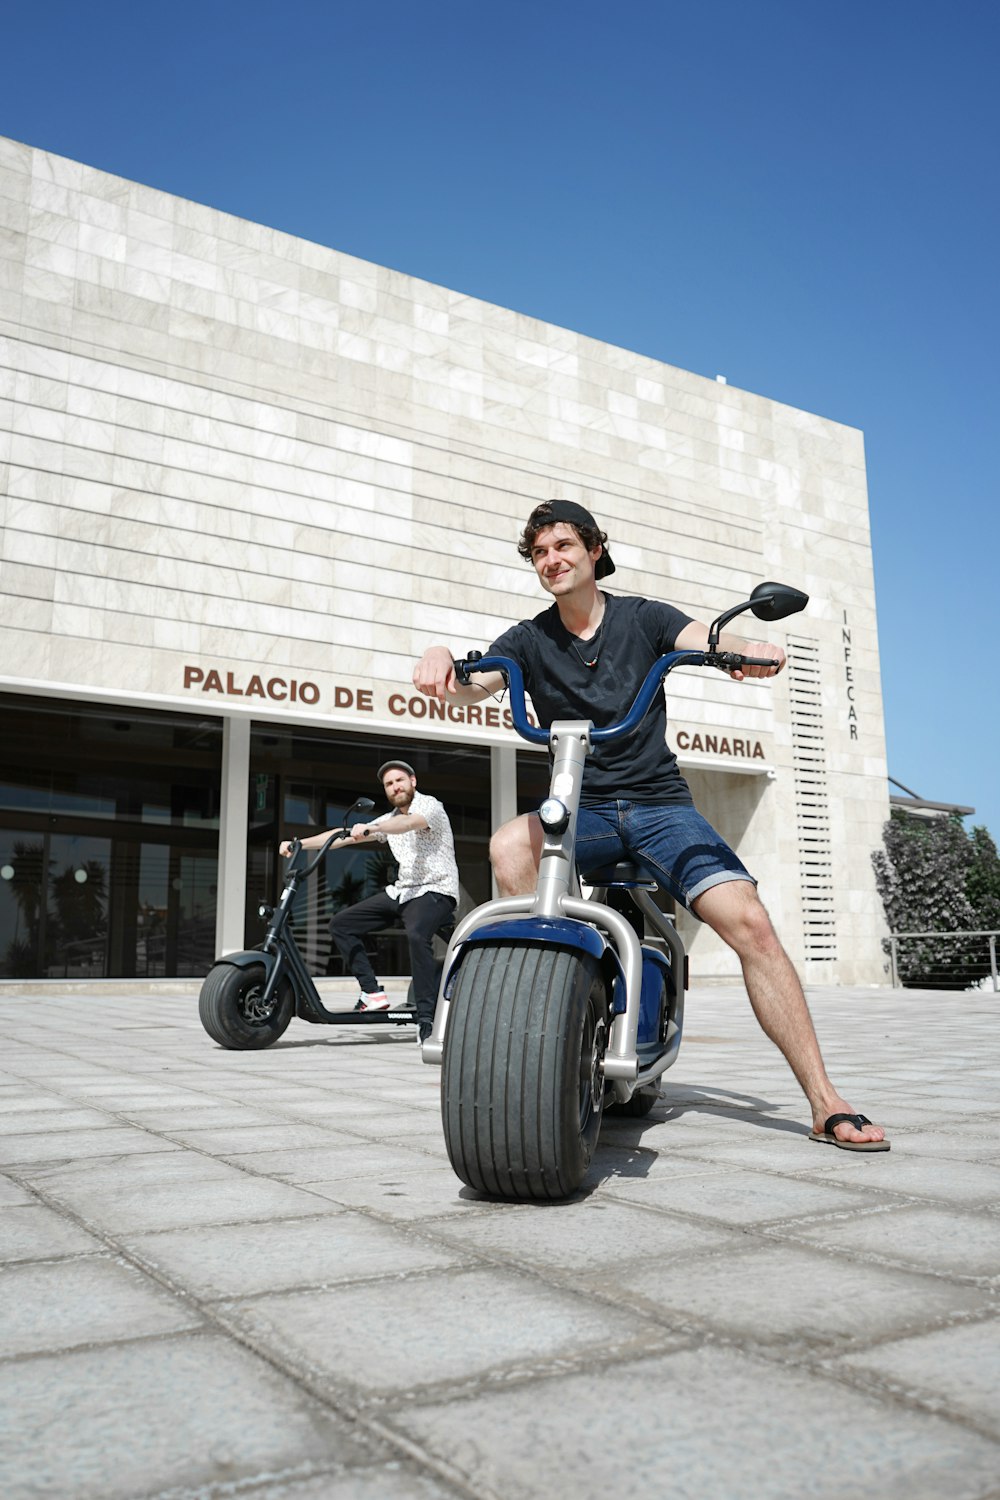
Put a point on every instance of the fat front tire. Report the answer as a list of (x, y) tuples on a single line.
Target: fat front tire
[(232, 1010), (522, 1089)]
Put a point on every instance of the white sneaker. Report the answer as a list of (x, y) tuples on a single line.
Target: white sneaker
[(378, 1000)]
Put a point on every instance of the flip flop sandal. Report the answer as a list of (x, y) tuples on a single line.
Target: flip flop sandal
[(827, 1137)]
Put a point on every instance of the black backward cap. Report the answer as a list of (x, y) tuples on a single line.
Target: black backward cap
[(578, 515)]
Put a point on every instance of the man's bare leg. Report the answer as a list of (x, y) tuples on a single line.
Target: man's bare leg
[(734, 910), (515, 850)]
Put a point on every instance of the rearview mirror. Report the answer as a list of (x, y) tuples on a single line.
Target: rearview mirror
[(773, 601)]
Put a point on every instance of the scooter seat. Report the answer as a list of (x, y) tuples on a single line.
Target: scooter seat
[(625, 872)]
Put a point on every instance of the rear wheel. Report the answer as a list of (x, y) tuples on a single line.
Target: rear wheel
[(636, 1108), (232, 1009), (522, 1089)]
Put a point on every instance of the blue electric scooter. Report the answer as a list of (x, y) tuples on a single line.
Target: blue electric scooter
[(550, 1006)]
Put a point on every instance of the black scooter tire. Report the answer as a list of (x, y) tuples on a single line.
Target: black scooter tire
[(521, 1088), (230, 1011), (636, 1108)]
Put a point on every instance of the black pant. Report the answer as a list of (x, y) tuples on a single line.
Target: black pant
[(422, 917)]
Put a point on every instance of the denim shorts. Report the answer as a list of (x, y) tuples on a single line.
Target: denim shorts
[(671, 840)]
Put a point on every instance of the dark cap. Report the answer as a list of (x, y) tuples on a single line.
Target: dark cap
[(396, 765), (577, 515)]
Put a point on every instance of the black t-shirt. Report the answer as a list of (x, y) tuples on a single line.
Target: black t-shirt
[(633, 633)]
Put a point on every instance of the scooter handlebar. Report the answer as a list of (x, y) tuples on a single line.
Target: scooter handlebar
[(726, 661), (296, 849)]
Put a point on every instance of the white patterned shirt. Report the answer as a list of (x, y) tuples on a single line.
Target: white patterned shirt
[(426, 856)]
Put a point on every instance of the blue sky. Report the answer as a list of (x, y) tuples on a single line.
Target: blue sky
[(799, 195)]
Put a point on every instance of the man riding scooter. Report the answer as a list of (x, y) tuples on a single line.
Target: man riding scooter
[(422, 898), (583, 659)]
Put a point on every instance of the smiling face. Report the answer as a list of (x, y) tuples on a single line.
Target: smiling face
[(399, 787), (561, 560)]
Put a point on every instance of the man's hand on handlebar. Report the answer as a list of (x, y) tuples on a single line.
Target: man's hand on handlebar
[(434, 675), (362, 831), (773, 656)]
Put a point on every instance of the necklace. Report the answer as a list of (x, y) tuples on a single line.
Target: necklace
[(595, 643)]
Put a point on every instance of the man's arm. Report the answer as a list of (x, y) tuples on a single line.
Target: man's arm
[(434, 675), (317, 840), (402, 823), (694, 637)]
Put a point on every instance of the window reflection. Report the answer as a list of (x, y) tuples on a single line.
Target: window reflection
[(108, 837)]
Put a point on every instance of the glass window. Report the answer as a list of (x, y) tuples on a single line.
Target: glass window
[(108, 841)]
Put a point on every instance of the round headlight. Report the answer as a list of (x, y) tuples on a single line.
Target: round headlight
[(554, 815)]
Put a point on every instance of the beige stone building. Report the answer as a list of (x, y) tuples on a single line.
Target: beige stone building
[(245, 479)]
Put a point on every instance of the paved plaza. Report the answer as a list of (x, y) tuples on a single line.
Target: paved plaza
[(235, 1274)]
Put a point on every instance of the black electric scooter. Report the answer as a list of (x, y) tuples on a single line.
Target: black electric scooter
[(248, 999)]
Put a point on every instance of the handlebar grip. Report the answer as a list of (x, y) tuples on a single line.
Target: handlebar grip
[(733, 661), (466, 665)]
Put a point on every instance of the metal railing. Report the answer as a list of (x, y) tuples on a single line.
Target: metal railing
[(943, 960)]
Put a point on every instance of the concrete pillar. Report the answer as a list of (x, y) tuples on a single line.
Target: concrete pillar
[(233, 832)]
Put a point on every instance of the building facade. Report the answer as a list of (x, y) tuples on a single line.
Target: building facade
[(246, 479)]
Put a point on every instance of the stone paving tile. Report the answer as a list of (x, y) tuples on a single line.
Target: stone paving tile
[(942, 1240), (122, 1092), (60, 1117), (243, 1260), (405, 1196), (208, 1192), (964, 1139), (34, 1232), (921, 1111), (785, 1293), (393, 1098), (195, 1116), (613, 1166), (948, 1101), (11, 1193), (790, 1156), (364, 1111), (131, 1173), (332, 1163), (518, 1323), (958, 1182), (587, 1237), (407, 1128), (391, 1481), (727, 1427), (422, 1134), (30, 1101), (955, 1369), (242, 1139), (89, 1301), (735, 1197), (78, 1145), (162, 1414)]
